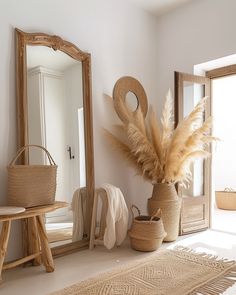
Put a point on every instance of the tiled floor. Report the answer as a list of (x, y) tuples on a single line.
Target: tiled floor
[(79, 266)]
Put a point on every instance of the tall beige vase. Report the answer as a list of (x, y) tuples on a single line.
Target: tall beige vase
[(164, 196)]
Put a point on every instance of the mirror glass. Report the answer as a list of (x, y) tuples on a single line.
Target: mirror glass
[(56, 121), (192, 94), (131, 101)]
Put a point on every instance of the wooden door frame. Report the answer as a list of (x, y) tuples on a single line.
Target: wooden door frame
[(221, 72), (211, 74), (179, 78)]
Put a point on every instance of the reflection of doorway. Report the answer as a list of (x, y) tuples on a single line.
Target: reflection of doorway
[(224, 156)]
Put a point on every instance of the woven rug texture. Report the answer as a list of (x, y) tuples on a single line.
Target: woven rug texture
[(180, 271)]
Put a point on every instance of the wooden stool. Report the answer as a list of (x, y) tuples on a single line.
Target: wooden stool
[(98, 240), (35, 214)]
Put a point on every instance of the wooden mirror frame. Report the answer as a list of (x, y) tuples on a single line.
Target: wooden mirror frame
[(56, 43)]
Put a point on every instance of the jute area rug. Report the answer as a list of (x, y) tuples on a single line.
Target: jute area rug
[(180, 271)]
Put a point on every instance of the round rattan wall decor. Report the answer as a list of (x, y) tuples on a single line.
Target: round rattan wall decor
[(120, 90)]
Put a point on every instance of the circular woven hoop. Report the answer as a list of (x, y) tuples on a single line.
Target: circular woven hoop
[(120, 90)]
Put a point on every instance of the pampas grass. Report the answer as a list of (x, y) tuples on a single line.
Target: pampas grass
[(159, 152)]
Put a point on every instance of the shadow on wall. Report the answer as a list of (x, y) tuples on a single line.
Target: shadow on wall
[(135, 189), (8, 119)]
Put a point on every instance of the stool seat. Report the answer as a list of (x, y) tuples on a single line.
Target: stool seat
[(9, 210), (35, 216)]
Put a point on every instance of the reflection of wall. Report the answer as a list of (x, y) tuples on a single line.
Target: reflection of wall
[(47, 117), (54, 101), (56, 131), (82, 166), (48, 126), (74, 98), (35, 116)]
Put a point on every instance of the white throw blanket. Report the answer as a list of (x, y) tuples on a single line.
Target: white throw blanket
[(117, 217)]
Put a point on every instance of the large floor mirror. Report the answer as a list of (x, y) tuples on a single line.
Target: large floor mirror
[(54, 111)]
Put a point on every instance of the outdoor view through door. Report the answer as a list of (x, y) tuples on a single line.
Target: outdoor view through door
[(224, 156)]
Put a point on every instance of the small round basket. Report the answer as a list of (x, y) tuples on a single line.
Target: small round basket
[(226, 199), (147, 232)]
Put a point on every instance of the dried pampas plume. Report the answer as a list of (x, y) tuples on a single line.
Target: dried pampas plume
[(159, 152)]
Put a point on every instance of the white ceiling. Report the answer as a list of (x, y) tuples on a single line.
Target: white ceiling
[(159, 7)]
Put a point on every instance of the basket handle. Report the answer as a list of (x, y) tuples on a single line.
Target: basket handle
[(132, 212), (229, 189), (157, 214), (22, 149)]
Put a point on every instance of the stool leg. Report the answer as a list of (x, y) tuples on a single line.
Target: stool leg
[(4, 237), (46, 251), (93, 223), (30, 239), (103, 215), (34, 239)]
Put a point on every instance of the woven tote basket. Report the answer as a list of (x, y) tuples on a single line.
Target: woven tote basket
[(147, 232), (31, 185)]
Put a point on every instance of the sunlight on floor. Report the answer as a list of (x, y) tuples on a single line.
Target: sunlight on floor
[(212, 242), (224, 220)]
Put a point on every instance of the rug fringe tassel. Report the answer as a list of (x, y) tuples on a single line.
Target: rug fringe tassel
[(208, 256), (220, 284), (217, 286)]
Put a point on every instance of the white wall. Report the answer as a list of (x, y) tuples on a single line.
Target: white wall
[(200, 31), (121, 40)]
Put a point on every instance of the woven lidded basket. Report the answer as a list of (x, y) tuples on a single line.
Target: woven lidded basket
[(147, 232), (31, 185)]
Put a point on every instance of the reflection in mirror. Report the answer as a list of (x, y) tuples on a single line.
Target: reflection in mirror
[(56, 121), (131, 101), (192, 94)]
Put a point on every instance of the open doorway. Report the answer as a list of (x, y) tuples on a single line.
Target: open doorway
[(199, 210), (223, 95)]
